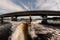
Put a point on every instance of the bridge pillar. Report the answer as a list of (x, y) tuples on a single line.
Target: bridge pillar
[(11, 18), (14, 18), (44, 19), (1, 19)]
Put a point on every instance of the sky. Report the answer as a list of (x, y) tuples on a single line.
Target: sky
[(7, 6)]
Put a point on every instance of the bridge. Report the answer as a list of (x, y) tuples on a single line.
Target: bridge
[(42, 13)]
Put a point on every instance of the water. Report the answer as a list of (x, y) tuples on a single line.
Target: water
[(54, 21), (41, 29), (5, 31), (44, 29)]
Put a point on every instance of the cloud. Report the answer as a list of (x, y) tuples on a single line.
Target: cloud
[(26, 4), (20, 3), (9, 6), (47, 4), (15, 5), (23, 5)]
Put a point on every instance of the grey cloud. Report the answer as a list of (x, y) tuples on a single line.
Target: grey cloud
[(47, 4)]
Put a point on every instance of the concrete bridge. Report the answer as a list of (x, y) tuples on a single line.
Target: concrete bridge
[(42, 13)]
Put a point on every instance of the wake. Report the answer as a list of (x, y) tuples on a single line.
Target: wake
[(21, 32)]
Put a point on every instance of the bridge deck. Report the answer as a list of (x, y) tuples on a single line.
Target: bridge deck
[(27, 13)]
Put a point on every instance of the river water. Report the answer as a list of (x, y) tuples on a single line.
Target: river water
[(42, 29)]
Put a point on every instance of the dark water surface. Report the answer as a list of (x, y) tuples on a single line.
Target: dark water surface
[(5, 31)]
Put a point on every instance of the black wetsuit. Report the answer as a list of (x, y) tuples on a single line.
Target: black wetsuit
[(30, 19)]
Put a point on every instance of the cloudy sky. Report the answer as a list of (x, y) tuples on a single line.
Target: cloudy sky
[(7, 6)]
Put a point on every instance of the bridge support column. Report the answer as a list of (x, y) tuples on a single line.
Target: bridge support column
[(11, 18), (44, 19), (1, 19), (14, 18)]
